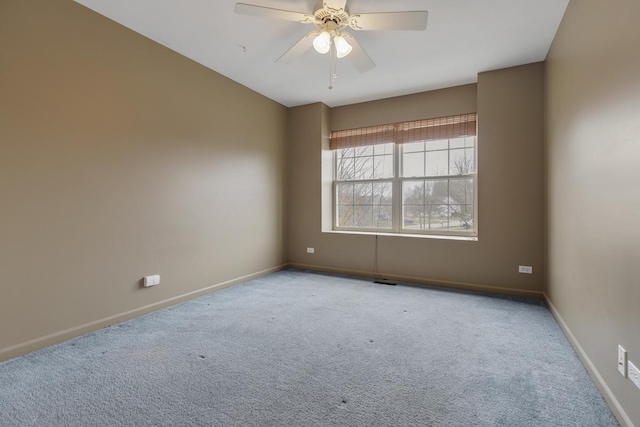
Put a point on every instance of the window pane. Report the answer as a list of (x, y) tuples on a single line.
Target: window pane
[(413, 192), (438, 204), (413, 196), (466, 217), (363, 168), (435, 217), (462, 161), (363, 216), (344, 167), (413, 164), (412, 147), (440, 144), (360, 163), (454, 218), (383, 167), (382, 216), (344, 216), (366, 205), (464, 142), (436, 191), (383, 149), (461, 217), (344, 193), (382, 193), (346, 152), (440, 217), (364, 151), (461, 191), (362, 194), (437, 163), (457, 143), (412, 217)]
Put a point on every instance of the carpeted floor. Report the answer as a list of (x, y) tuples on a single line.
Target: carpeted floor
[(302, 349)]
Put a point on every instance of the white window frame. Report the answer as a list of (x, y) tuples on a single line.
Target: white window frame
[(397, 198)]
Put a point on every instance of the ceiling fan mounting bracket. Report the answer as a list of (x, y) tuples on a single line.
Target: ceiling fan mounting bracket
[(326, 17)]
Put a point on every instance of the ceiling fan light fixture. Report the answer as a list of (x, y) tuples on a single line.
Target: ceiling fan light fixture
[(343, 48), (322, 43)]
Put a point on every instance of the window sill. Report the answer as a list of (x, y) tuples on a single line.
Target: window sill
[(419, 236)]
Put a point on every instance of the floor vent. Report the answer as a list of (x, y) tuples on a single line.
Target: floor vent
[(385, 282)]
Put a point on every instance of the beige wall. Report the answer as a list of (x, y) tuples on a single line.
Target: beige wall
[(593, 171), (509, 104), (436, 103), (119, 159)]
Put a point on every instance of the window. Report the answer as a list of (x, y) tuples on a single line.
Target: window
[(411, 177), (364, 187)]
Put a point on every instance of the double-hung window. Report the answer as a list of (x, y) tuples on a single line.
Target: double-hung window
[(414, 177)]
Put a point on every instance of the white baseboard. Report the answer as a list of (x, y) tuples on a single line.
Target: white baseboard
[(606, 392), (58, 337), (426, 281)]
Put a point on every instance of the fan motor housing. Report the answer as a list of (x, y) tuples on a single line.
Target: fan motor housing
[(326, 14)]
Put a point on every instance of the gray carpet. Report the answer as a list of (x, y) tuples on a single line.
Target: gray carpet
[(302, 349)]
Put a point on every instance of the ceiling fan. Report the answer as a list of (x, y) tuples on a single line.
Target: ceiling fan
[(330, 18)]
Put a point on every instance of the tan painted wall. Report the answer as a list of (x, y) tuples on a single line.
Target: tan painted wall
[(119, 159), (304, 130), (509, 104), (593, 171), (436, 103)]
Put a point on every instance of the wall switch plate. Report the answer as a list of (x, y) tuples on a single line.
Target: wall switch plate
[(527, 269), (634, 374), (311, 251), (622, 361)]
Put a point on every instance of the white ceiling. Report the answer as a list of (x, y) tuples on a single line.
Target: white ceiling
[(463, 38)]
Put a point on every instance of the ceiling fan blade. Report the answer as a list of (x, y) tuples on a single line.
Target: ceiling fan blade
[(358, 56), (335, 4), (298, 49), (407, 21), (268, 12)]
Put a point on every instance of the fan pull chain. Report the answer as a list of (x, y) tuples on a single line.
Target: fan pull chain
[(332, 67)]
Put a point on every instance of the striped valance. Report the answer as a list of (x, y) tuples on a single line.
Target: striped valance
[(405, 132)]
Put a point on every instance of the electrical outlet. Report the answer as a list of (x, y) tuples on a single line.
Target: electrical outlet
[(311, 250), (151, 281), (634, 374), (622, 361), (527, 269)]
